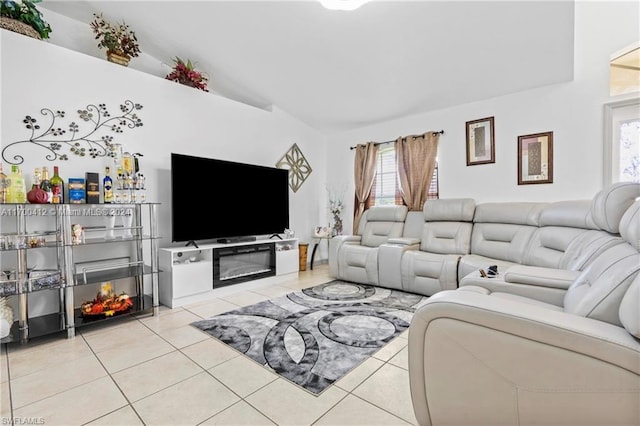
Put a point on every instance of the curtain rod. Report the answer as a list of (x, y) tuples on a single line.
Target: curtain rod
[(441, 132)]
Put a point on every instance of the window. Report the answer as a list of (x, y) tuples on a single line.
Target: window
[(622, 138), (622, 118), (386, 186)]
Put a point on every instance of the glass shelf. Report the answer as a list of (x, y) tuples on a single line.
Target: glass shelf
[(46, 279), (112, 273)]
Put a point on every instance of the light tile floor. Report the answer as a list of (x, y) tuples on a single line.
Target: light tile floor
[(159, 370)]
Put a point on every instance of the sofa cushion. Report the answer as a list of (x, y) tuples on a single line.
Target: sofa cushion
[(610, 204), (449, 210), (630, 308), (515, 213), (630, 225), (599, 289), (574, 214), (446, 237), (382, 223)]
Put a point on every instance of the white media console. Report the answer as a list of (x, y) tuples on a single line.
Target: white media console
[(190, 274)]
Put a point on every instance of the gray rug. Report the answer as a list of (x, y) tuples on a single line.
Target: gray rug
[(315, 336)]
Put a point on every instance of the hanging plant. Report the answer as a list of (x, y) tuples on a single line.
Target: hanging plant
[(185, 73)]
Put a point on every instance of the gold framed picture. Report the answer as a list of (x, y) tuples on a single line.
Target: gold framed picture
[(480, 142), (535, 158)]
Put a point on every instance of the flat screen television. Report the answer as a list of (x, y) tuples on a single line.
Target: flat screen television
[(215, 199)]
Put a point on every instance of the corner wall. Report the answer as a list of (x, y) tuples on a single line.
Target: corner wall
[(573, 111)]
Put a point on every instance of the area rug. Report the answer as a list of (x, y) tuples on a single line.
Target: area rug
[(315, 336)]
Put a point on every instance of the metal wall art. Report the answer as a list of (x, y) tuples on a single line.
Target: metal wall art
[(298, 166), (94, 139)]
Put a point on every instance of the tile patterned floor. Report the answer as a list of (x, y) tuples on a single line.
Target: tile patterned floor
[(158, 370)]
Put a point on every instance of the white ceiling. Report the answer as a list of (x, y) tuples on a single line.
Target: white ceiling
[(337, 70)]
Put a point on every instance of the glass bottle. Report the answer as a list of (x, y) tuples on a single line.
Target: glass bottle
[(45, 184), (3, 186), (107, 186), (16, 191), (127, 163), (57, 187)]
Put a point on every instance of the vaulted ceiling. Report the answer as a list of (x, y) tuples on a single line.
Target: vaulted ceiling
[(337, 70)]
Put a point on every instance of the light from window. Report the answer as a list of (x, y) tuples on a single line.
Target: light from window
[(622, 138), (386, 184), (386, 187)]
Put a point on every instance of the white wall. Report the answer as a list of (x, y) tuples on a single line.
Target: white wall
[(573, 111), (38, 74)]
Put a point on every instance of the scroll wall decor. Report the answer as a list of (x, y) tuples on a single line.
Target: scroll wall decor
[(92, 135), (298, 166)]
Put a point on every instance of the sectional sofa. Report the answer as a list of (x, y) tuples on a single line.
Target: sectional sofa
[(552, 338)]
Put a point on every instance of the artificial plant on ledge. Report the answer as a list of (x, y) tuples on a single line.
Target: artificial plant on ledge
[(185, 73), (119, 40), (23, 13)]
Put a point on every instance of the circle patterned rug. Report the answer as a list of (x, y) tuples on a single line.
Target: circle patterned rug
[(315, 336)]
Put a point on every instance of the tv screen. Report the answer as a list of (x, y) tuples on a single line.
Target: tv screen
[(215, 199)]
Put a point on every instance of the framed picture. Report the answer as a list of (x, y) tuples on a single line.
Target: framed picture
[(480, 142), (535, 158)]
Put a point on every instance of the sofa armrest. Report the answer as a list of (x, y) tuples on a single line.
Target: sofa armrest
[(335, 244), (406, 241), (390, 261), (538, 276), (528, 362)]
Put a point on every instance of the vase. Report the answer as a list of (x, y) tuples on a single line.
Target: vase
[(6, 317), (19, 27), (118, 58)]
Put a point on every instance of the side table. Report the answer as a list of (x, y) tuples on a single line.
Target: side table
[(316, 243)]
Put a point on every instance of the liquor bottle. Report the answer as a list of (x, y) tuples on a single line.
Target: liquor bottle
[(107, 186), (127, 163), (45, 184), (57, 187), (3, 186), (16, 191)]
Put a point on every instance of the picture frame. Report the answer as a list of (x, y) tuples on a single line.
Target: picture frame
[(535, 158), (481, 141)]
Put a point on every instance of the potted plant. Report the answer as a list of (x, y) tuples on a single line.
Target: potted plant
[(119, 40), (185, 73), (23, 17)]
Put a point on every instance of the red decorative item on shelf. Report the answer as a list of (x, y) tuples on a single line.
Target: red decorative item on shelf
[(37, 196), (184, 73)]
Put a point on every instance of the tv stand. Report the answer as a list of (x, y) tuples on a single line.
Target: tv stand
[(192, 243), (190, 275), (235, 240), (274, 235)]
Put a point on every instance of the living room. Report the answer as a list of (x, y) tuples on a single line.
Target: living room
[(69, 72)]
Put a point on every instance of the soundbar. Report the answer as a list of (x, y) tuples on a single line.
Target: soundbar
[(236, 240)]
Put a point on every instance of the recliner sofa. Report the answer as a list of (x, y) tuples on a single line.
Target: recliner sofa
[(539, 248), (553, 338), (483, 357)]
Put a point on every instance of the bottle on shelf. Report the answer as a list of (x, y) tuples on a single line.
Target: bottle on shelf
[(107, 186), (3, 186), (45, 184), (16, 190), (57, 187)]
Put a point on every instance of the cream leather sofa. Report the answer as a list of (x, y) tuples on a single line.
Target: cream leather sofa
[(539, 248), (486, 357)]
